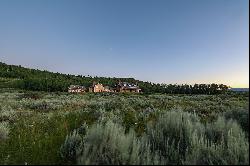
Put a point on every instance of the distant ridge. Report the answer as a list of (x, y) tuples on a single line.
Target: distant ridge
[(240, 89)]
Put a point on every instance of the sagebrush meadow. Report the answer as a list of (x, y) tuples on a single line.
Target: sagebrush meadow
[(108, 128), (124, 82)]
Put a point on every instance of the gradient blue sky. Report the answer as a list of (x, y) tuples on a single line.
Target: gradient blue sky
[(162, 41)]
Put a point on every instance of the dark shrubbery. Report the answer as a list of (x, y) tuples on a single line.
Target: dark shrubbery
[(241, 116)]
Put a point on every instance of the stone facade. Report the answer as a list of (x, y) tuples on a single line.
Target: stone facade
[(97, 88)]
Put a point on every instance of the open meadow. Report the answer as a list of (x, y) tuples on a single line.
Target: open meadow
[(115, 128), (126, 82)]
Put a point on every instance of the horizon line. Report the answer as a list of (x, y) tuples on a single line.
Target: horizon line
[(24, 66)]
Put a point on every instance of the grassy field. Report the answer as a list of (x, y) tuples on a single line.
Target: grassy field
[(103, 128)]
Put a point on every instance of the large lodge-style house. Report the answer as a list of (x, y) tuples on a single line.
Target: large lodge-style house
[(98, 87), (76, 89), (127, 87)]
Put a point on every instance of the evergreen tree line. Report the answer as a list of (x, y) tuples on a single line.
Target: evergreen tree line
[(34, 79)]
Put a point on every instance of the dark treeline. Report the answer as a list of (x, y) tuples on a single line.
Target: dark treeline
[(34, 79)]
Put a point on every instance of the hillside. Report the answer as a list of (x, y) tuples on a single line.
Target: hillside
[(34, 79)]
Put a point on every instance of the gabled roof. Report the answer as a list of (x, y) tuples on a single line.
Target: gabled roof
[(126, 85), (72, 87), (94, 84)]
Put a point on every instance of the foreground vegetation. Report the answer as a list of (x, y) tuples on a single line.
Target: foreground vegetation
[(106, 128)]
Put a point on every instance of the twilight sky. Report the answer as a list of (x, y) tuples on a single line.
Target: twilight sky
[(162, 41)]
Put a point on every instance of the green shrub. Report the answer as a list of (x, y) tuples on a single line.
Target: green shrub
[(4, 130), (129, 119), (31, 95), (175, 138), (171, 135), (234, 150), (108, 144), (69, 149), (6, 113), (182, 139), (241, 116)]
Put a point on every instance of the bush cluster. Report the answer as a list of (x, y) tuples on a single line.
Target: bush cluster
[(175, 138)]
